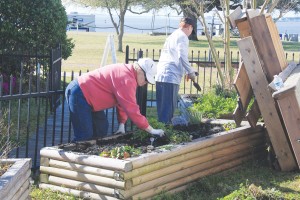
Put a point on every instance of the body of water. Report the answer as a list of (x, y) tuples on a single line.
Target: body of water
[(163, 24)]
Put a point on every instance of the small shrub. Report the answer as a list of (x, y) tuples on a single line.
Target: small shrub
[(216, 103)]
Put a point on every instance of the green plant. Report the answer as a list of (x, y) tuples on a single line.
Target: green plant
[(121, 152), (229, 126), (255, 192), (48, 194), (178, 136), (195, 116), (143, 135), (32, 27), (213, 104)]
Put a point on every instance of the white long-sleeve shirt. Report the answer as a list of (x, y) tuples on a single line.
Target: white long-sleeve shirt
[(173, 61)]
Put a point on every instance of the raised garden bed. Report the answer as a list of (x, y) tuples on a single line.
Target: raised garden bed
[(92, 176), (14, 183)]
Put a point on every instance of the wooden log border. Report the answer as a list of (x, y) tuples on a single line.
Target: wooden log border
[(14, 183), (145, 176)]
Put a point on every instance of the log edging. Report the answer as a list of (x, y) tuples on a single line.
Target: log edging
[(14, 183), (153, 172)]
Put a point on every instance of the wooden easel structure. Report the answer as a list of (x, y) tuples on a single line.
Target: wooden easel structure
[(110, 45), (262, 57)]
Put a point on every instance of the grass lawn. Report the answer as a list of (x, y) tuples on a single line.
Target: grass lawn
[(89, 47), (253, 180)]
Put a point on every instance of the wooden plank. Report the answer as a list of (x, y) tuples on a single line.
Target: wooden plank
[(236, 14), (94, 161), (252, 13), (238, 115), (265, 47), (277, 42), (81, 185), (10, 181), (243, 86), (78, 176), (245, 92), (254, 114), (288, 99), (266, 104), (243, 27)]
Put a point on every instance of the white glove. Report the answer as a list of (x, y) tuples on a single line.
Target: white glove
[(121, 129), (192, 76), (153, 131)]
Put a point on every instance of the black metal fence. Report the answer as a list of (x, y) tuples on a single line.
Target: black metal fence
[(33, 105)]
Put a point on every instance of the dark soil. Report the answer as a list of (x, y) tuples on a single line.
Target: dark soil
[(106, 144)]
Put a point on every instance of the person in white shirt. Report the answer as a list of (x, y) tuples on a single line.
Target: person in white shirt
[(172, 66)]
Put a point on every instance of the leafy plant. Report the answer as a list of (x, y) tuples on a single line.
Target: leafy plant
[(229, 126), (143, 135), (121, 152), (195, 116), (179, 136), (216, 103)]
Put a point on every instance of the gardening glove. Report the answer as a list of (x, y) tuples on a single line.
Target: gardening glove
[(192, 75), (153, 131), (121, 129)]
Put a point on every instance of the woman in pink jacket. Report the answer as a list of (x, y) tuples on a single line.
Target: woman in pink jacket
[(106, 87)]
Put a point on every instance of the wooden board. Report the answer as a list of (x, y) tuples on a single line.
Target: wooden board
[(253, 114), (288, 99), (277, 42), (236, 14), (244, 90), (243, 86), (266, 104), (265, 47), (244, 27)]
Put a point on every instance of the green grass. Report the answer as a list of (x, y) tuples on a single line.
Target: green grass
[(253, 180), (89, 47)]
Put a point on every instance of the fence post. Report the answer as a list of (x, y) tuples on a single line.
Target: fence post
[(141, 94), (127, 54)]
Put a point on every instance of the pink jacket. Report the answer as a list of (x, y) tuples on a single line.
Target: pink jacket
[(113, 85)]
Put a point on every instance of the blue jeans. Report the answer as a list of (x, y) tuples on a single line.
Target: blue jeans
[(166, 100), (86, 123)]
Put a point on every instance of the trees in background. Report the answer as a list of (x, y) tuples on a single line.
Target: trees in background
[(34, 26), (117, 10)]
